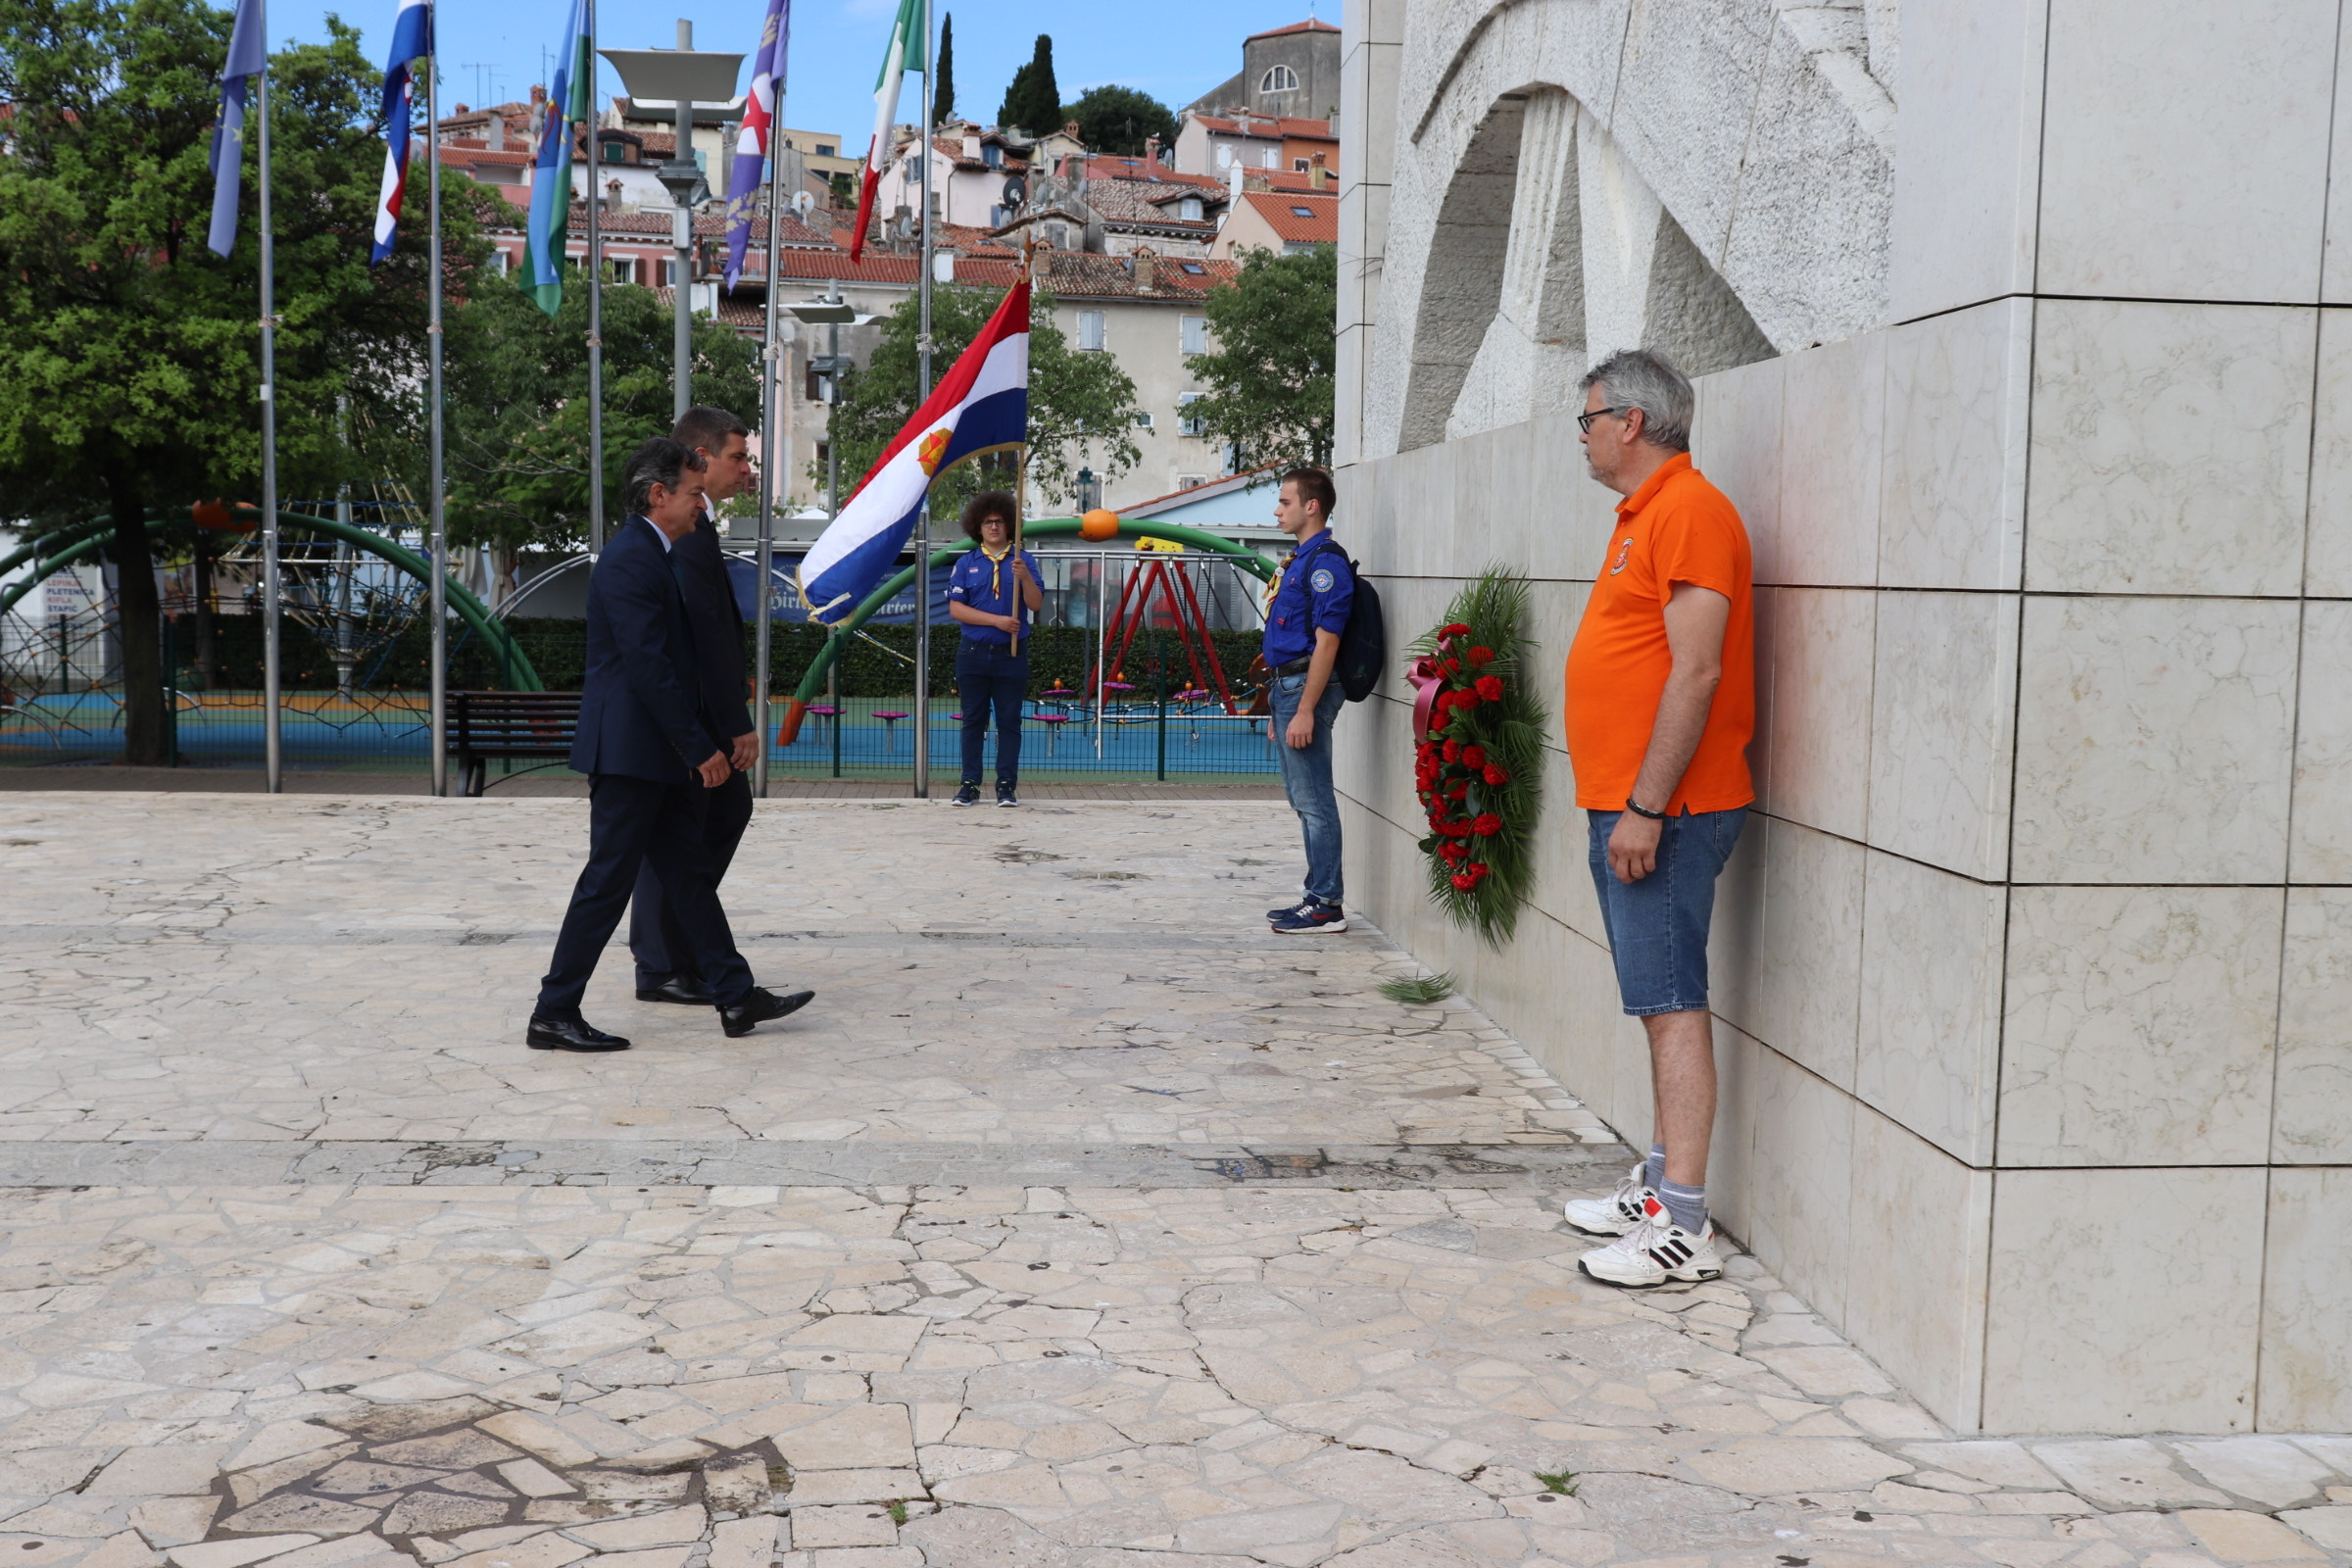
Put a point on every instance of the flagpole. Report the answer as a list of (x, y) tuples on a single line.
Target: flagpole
[(273, 736), (922, 521), (439, 607), (775, 443), (596, 304)]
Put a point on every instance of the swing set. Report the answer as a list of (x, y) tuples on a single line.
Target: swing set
[(1182, 608)]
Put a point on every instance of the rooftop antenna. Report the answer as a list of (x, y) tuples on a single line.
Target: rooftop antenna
[(485, 75)]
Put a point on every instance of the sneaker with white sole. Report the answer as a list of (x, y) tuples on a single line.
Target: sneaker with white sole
[(1655, 1250), (1312, 919), (1294, 907), (1616, 1214)]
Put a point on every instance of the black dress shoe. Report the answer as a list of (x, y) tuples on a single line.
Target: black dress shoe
[(570, 1034), (679, 988), (760, 1007)]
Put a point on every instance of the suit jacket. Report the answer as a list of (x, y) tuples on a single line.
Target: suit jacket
[(641, 712), (716, 621)]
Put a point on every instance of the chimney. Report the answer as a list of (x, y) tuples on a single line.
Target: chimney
[(613, 195), (971, 144), (1069, 128), (1233, 185), (1147, 267), (1151, 154), (1317, 173), (538, 94)]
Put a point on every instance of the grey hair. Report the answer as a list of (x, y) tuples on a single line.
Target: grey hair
[(1645, 379), (660, 462)]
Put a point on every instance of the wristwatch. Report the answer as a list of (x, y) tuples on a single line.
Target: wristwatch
[(1639, 809)]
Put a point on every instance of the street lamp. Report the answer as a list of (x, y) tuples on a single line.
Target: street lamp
[(685, 77), (1090, 491)]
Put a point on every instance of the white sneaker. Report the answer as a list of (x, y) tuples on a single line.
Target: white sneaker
[(1655, 1250), (1614, 1214)]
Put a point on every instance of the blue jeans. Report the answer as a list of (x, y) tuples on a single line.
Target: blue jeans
[(1658, 926), (988, 678), (1306, 780)]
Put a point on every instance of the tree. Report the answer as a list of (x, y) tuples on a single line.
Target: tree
[(1082, 406), (942, 81), (1116, 120), (1034, 101), (1270, 379), (127, 363), (518, 406)]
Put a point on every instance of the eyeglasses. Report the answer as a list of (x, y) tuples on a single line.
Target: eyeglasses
[(1583, 421)]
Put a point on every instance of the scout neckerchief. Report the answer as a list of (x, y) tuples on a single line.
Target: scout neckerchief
[(996, 566), (1274, 585)]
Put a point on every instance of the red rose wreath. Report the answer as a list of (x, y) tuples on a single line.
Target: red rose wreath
[(1478, 734)]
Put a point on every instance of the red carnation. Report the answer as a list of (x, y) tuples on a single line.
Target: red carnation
[(1453, 667), (1464, 881), (1497, 775), (1452, 750), (1451, 853), (1453, 630), (1482, 657), (1477, 869), (1474, 757), (1457, 789), (1487, 825), (1465, 701), (1491, 688), (1443, 717)]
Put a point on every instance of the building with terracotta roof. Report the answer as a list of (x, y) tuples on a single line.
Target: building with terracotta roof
[(1217, 144), (1285, 70), (1283, 221), (978, 177)]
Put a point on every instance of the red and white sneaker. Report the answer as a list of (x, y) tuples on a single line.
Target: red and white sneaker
[(1655, 1250), (1614, 1214)]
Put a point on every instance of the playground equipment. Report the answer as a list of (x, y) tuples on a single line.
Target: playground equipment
[(1182, 608), (813, 678)]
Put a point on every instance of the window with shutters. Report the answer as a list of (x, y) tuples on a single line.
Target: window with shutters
[(1090, 330), (1196, 334), (1187, 422)]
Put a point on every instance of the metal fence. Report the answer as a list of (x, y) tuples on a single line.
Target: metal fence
[(1160, 704)]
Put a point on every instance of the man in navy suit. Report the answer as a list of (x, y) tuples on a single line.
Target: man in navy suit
[(649, 746), (666, 971)]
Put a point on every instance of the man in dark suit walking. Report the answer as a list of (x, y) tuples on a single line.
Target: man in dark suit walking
[(648, 747), (666, 971)]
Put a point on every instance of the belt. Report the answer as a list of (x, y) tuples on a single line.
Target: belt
[(1296, 666)]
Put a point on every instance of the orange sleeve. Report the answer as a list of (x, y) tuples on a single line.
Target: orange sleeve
[(1697, 545)]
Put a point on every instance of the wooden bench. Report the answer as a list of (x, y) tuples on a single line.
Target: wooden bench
[(484, 726)]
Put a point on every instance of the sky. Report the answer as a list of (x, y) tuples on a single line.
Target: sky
[(493, 52)]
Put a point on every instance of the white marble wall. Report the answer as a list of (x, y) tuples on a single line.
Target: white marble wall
[(2037, 960)]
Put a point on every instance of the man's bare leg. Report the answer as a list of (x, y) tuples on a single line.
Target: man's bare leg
[(1682, 1075)]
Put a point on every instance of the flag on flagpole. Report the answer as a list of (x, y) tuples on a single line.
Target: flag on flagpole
[(905, 53), (411, 36), (571, 97), (750, 144), (981, 405), (248, 56)]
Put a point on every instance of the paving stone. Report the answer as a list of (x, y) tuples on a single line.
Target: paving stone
[(147, 1472), (850, 1525), (2266, 1469), (2126, 1473), (2234, 1535), (290, 1511), (535, 1480), (546, 1549), (669, 1526), (872, 1437), (441, 1513), (235, 1554), (2330, 1527), (1993, 1461), (359, 1478), (1771, 1467)]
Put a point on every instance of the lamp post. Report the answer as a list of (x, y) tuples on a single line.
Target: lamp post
[(1090, 490), (685, 77)]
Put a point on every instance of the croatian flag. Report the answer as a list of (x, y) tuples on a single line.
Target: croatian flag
[(981, 405), (751, 146), (905, 54), (411, 36), (248, 56)]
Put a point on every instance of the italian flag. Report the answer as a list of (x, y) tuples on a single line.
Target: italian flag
[(907, 44)]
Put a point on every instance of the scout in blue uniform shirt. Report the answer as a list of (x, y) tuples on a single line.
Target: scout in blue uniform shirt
[(981, 592), (1304, 618)]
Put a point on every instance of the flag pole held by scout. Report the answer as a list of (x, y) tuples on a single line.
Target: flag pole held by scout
[(1020, 507)]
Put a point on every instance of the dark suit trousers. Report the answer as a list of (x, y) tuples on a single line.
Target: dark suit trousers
[(656, 939), (635, 823)]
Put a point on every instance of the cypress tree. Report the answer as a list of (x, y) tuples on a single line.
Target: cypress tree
[(943, 84), (1034, 100)]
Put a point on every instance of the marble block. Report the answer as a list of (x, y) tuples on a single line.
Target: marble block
[(2320, 838), (2307, 1304), (1953, 514), (1967, 164), (1923, 1323), (2312, 1124), (2138, 1025), (1833, 416), (1735, 442), (2171, 447), (2327, 565), (1943, 729), (1736, 948), (1810, 946), (1821, 654), (2077, 1338), (2153, 740), (1800, 1178), (1930, 1023), (2140, 199)]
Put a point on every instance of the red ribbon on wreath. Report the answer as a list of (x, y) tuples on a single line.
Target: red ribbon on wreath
[(1428, 678)]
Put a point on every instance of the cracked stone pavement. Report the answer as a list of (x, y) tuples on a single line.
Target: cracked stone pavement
[(1079, 1224)]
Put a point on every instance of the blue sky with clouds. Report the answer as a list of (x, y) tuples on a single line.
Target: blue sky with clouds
[(494, 51)]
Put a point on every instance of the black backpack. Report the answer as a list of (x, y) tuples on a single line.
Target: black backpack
[(1365, 644)]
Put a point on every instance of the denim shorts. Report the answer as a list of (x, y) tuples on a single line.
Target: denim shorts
[(1657, 927)]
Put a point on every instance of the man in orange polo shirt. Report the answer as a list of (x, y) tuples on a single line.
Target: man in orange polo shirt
[(1661, 703)]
